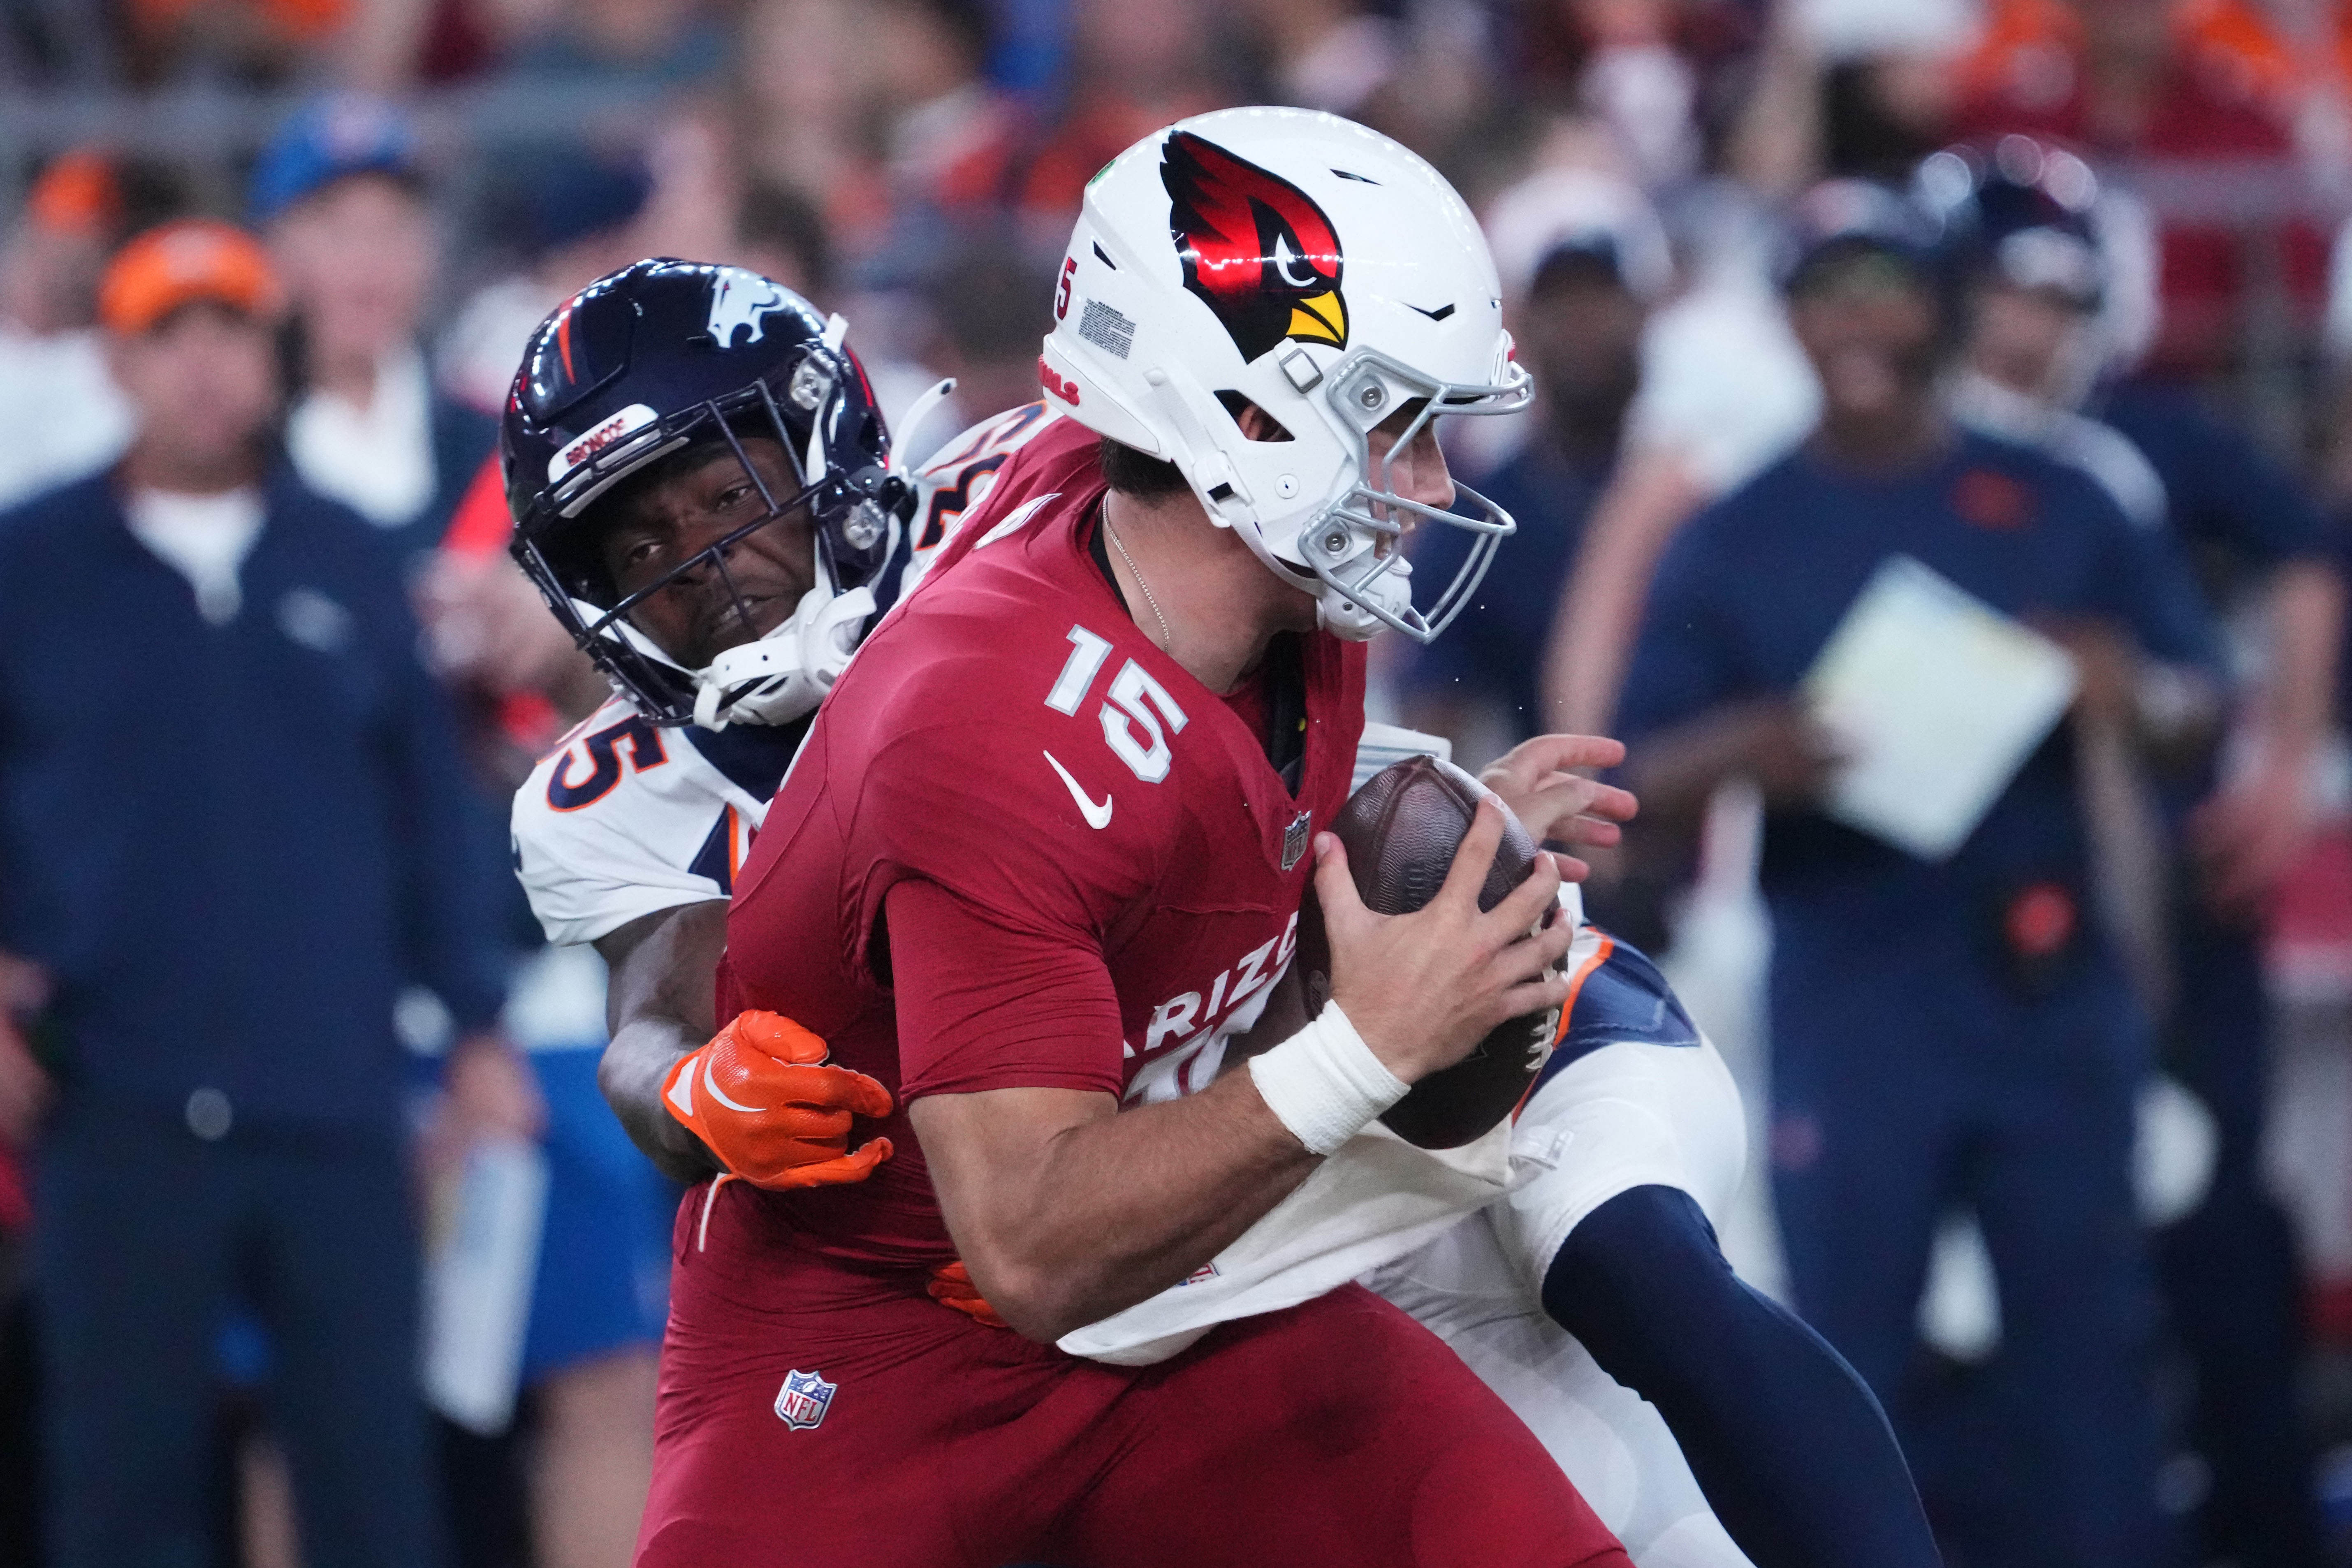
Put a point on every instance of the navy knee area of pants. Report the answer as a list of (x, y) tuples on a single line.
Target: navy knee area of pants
[(2229, 1270), (146, 1235), (1756, 1399)]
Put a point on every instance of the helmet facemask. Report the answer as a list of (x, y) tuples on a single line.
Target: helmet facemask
[(1354, 545), (784, 673)]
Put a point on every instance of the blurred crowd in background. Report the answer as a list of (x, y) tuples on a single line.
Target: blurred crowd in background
[(430, 177)]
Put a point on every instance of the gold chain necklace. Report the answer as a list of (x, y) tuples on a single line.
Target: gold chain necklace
[(1167, 637)]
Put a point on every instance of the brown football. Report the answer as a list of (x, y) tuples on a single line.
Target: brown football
[(1400, 831)]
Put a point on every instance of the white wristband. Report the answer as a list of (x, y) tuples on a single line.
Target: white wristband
[(1324, 1083)]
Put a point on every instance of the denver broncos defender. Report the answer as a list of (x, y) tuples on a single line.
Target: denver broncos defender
[(700, 485)]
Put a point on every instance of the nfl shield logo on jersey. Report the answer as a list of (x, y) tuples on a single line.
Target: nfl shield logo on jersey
[(803, 1399), (1294, 841)]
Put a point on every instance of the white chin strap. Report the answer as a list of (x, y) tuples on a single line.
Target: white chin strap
[(1335, 612), (1348, 618), (786, 673)]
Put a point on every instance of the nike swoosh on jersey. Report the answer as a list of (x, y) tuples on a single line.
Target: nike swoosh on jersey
[(1095, 815)]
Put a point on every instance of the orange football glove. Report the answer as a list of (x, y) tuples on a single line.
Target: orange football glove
[(951, 1286), (761, 1098)]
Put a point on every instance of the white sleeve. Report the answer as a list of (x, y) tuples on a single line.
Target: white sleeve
[(1375, 1199), (634, 850)]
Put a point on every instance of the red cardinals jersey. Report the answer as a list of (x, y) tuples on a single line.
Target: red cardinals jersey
[(1121, 866)]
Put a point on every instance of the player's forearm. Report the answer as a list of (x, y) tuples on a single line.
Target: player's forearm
[(2299, 700), (659, 1007), (631, 1073), (1068, 1210)]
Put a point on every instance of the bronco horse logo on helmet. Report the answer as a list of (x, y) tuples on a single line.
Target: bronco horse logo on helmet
[(742, 299), (1257, 250)]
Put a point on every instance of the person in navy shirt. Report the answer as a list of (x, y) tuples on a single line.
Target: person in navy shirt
[(1580, 330), (233, 829), (1942, 1032), (2043, 292)]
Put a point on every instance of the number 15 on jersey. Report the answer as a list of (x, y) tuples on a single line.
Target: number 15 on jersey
[(1138, 715)]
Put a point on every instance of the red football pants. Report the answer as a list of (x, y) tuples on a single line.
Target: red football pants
[(1340, 1432)]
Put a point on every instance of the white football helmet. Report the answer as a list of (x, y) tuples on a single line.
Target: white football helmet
[(1319, 271)]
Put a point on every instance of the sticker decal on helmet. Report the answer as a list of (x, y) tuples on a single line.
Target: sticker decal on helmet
[(1053, 381), (628, 422), (740, 300), (1257, 250)]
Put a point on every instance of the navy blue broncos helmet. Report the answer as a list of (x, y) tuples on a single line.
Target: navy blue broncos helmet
[(641, 364), (1844, 224), (2023, 213)]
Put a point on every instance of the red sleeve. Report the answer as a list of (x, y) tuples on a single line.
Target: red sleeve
[(481, 525), (984, 1005)]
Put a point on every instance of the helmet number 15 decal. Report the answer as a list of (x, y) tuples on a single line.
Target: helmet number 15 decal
[(1062, 294), (1138, 715)]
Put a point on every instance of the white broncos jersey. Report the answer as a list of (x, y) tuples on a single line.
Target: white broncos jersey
[(625, 818), (953, 484)]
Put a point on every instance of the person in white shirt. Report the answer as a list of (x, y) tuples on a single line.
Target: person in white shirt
[(340, 195), (60, 408)]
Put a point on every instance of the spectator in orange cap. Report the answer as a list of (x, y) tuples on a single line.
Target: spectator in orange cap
[(234, 827), (61, 412), (195, 282)]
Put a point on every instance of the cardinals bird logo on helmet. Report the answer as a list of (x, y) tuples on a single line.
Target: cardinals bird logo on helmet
[(1255, 247), (1235, 220)]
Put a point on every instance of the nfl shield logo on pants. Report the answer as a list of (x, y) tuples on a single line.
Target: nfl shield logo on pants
[(803, 1399)]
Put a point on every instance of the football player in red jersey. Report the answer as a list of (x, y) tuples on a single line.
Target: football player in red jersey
[(1042, 856)]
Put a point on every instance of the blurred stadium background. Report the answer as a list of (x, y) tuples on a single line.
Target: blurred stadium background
[(916, 164)]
